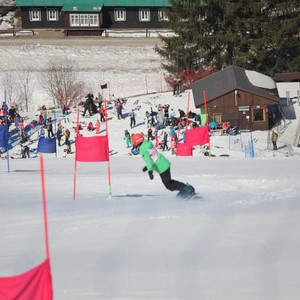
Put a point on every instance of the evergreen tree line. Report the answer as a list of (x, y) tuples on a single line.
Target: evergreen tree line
[(257, 35)]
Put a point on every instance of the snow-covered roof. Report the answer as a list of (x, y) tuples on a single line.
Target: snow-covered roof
[(260, 80)]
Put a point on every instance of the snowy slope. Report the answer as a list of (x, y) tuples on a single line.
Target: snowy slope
[(239, 241)]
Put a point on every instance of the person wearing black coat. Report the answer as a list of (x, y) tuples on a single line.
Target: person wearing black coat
[(88, 104), (49, 127)]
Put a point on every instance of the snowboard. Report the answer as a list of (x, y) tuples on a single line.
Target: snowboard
[(187, 197), (195, 196)]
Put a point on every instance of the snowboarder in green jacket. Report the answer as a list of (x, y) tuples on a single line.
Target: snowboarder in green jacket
[(157, 162)]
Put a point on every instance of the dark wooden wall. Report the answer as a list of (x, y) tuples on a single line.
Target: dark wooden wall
[(233, 108)]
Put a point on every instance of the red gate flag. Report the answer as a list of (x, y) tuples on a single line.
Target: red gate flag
[(197, 136), (184, 149), (35, 284), (92, 149), (46, 145)]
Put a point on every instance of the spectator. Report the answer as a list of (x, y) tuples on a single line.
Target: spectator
[(41, 120), (119, 109), (172, 117), (97, 126), (127, 138), (67, 137), (132, 116), (173, 144), (25, 151), (88, 104), (90, 126), (59, 134), (274, 139), (150, 134), (181, 114), (165, 141), (12, 112), (65, 113), (102, 114), (49, 127), (176, 89)]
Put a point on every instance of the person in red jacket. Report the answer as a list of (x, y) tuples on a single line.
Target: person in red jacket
[(90, 126)]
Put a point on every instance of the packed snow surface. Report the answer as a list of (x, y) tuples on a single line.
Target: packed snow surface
[(239, 240)]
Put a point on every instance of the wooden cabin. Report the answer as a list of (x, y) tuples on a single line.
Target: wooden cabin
[(92, 17), (244, 98)]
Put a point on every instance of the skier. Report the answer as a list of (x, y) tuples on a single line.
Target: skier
[(157, 162)]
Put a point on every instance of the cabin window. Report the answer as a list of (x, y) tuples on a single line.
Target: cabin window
[(84, 20), (35, 15), (74, 20), (163, 15), (144, 15), (52, 15), (120, 14), (217, 118), (258, 114), (94, 20)]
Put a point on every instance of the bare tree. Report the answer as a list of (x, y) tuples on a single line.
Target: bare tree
[(60, 82), (9, 86), (25, 90)]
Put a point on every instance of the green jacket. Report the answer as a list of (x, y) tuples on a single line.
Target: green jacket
[(274, 136), (154, 160)]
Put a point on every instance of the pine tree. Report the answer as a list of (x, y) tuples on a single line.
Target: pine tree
[(181, 50), (278, 47), (261, 35)]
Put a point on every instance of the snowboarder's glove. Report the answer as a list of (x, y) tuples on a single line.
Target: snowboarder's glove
[(145, 169), (151, 175)]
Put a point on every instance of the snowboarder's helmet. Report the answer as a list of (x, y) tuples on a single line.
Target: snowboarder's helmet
[(137, 139)]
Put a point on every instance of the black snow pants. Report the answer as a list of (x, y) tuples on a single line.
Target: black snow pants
[(171, 184)]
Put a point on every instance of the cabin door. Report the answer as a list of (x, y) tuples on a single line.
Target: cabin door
[(244, 119)]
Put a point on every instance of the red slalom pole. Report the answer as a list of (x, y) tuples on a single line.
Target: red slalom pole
[(44, 205)]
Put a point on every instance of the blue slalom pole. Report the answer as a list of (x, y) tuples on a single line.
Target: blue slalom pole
[(6, 124)]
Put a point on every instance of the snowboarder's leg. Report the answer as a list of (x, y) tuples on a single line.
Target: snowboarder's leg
[(170, 184)]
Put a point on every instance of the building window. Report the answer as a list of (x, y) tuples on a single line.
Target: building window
[(163, 15), (52, 15), (74, 20), (120, 14), (217, 118), (35, 15), (84, 20), (258, 114), (144, 15), (94, 20)]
